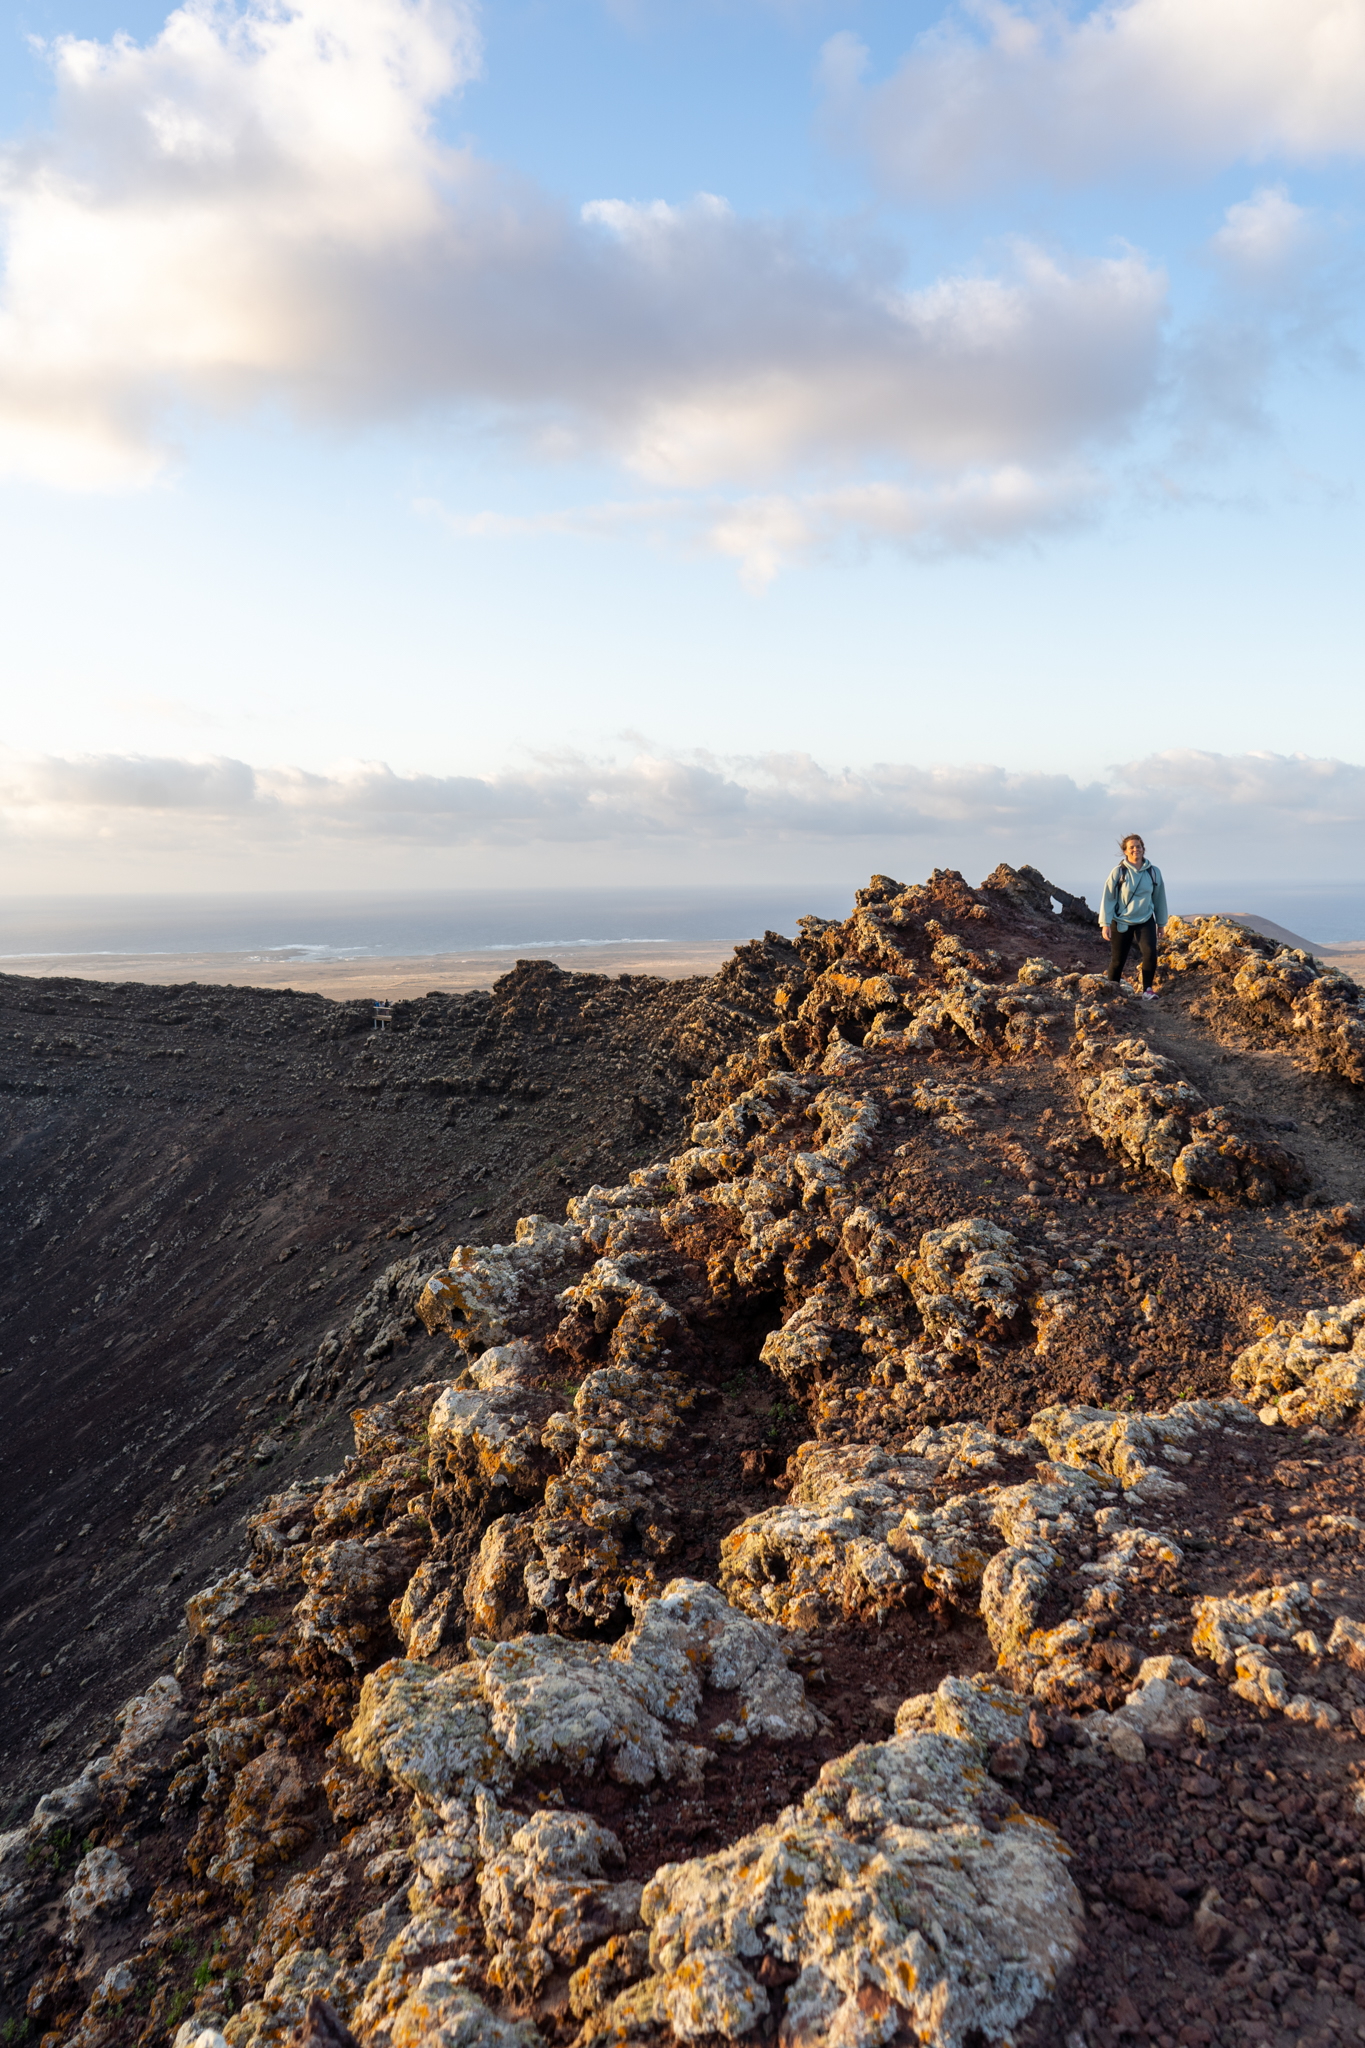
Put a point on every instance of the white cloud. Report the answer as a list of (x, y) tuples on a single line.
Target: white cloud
[(969, 370), (80, 822), (972, 514), (1268, 244), (1250, 795), (1262, 232), (650, 223), (568, 797), (253, 207), (764, 534), (1289, 293), (195, 220), (994, 92), (51, 786)]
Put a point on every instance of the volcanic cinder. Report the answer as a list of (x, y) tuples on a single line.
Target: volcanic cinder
[(878, 1563)]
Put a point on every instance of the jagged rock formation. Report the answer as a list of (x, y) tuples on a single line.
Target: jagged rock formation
[(1314, 1374), (1027, 887), (497, 1736), (1142, 1109), (1281, 990)]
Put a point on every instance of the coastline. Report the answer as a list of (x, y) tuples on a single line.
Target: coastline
[(406, 976), (397, 978)]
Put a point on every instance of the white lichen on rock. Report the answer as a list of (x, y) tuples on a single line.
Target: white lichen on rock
[(476, 1301), (1312, 1372), (101, 1885), (430, 1730), (969, 1286), (550, 1897), (541, 1701), (898, 1909)]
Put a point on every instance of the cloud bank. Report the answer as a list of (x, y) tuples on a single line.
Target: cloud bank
[(80, 821), (996, 92), (253, 207), (254, 210)]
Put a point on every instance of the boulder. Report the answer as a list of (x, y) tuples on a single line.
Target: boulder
[(442, 2012), (883, 1892), (1143, 1109), (548, 1899), (100, 1887), (969, 1286), (429, 1730)]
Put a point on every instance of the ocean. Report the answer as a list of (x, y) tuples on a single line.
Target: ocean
[(352, 926), (1330, 913), (340, 926)]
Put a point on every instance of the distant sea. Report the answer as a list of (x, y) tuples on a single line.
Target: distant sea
[(356, 926), (1332, 913)]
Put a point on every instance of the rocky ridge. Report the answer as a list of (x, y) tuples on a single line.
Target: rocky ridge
[(217, 1211), (528, 1725)]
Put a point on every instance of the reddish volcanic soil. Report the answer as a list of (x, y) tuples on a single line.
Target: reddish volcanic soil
[(218, 1210)]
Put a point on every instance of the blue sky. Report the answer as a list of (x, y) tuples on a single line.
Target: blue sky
[(752, 437)]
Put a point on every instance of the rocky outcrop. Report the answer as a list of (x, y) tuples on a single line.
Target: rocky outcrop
[(883, 1902), (1319, 1010), (544, 1701), (487, 1292), (471, 1747), (1313, 1372), (1143, 1109), (968, 1287), (1028, 888)]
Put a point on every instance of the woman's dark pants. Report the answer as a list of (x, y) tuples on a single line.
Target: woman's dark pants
[(1120, 944)]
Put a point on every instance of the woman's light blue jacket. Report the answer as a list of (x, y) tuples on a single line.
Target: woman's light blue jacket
[(1132, 895)]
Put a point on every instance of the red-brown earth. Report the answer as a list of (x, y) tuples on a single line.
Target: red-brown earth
[(180, 1248)]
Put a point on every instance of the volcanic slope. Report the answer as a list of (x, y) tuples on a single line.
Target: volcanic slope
[(216, 1210), (887, 1569)]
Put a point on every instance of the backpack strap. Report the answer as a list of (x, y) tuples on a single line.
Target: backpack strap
[(1125, 863)]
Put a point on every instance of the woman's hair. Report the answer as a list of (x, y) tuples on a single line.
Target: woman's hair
[(1123, 843)]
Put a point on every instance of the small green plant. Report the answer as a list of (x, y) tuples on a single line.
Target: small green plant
[(779, 1415), (262, 1626), (176, 2007), (203, 1975), (55, 1850), (176, 1945), (15, 2030)]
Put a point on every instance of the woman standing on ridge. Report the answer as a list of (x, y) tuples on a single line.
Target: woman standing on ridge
[(1134, 907)]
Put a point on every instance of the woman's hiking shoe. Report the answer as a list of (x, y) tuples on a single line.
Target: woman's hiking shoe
[(1149, 995)]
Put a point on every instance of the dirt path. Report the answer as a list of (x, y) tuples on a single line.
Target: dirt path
[(1321, 1118)]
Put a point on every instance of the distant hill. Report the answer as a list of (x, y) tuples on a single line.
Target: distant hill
[(1281, 934)]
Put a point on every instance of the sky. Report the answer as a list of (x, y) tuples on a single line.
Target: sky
[(598, 441)]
